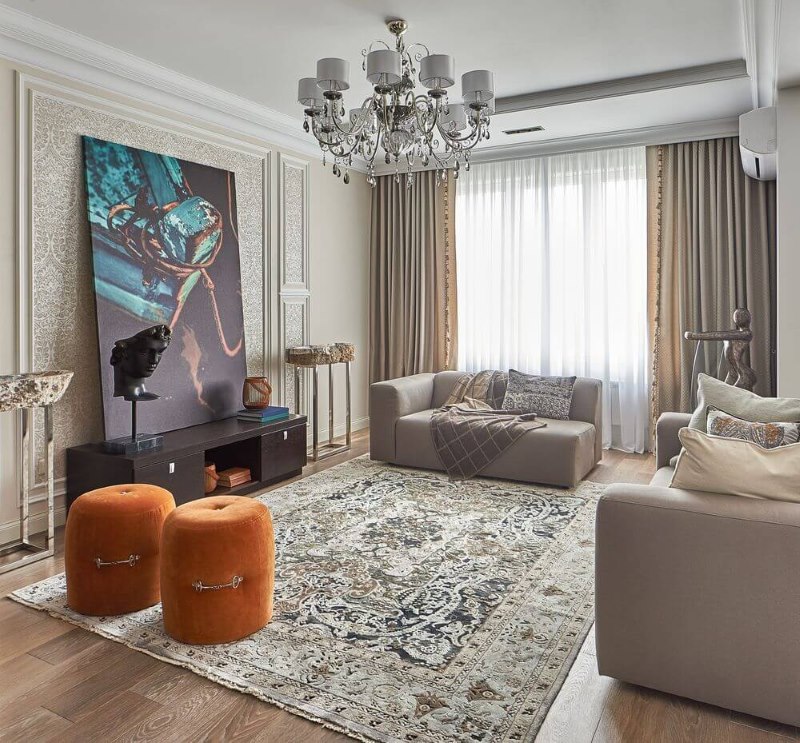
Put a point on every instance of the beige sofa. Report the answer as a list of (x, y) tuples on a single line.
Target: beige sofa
[(562, 453), (698, 594)]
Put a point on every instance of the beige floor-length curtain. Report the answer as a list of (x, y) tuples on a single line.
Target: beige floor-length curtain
[(712, 248), (412, 321)]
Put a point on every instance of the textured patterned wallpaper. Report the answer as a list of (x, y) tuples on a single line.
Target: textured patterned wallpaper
[(64, 331)]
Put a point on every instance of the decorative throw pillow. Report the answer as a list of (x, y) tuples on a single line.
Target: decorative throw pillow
[(487, 386), (741, 404), (737, 467), (768, 435), (548, 397)]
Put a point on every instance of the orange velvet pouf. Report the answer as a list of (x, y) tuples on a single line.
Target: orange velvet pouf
[(217, 570), (111, 554)]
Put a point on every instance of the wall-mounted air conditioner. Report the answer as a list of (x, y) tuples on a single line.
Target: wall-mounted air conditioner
[(758, 143)]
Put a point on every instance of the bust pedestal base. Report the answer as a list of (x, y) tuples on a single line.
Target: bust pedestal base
[(128, 445)]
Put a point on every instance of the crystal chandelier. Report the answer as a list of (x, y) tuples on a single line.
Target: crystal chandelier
[(407, 128)]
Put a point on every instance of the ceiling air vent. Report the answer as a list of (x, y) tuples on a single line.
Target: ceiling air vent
[(526, 130)]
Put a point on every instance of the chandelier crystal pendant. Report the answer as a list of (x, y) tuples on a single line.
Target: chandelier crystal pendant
[(407, 128)]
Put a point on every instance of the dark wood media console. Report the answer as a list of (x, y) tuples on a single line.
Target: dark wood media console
[(272, 451)]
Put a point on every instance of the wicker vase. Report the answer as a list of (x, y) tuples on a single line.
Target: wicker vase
[(256, 393)]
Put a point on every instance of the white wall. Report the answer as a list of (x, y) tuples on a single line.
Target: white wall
[(789, 242), (339, 264)]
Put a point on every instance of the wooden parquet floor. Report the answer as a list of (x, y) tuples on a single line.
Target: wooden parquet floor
[(61, 683)]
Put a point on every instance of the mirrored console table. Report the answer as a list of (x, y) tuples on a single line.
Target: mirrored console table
[(312, 357), (24, 392)]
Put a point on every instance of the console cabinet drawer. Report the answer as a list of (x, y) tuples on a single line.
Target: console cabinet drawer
[(183, 477), (283, 452)]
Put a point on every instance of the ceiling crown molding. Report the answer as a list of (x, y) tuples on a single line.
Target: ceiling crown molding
[(688, 131), (31, 41), (731, 69)]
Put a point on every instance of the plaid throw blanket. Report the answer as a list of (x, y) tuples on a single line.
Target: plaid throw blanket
[(468, 440)]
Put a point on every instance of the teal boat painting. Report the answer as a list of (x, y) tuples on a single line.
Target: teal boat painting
[(165, 249)]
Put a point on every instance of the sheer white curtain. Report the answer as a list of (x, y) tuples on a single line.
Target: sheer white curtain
[(552, 276)]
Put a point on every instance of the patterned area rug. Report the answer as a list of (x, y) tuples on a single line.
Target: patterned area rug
[(408, 607)]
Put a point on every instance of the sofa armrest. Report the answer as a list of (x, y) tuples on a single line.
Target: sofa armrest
[(667, 442), (587, 406), (697, 595), (391, 400)]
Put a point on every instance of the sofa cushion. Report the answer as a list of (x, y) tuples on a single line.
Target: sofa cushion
[(741, 403), (736, 467), (663, 477), (768, 435), (562, 453), (549, 397)]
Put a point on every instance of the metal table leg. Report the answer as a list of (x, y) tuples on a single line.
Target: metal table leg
[(297, 390), (49, 473), (330, 404), (31, 551), (347, 398), (331, 447), (26, 475), (315, 422)]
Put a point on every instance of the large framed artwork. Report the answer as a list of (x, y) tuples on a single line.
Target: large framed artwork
[(165, 250)]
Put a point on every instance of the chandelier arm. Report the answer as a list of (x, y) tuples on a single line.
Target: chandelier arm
[(338, 150), (366, 51), (378, 138), (462, 143), (334, 146), (430, 110), (444, 162), (355, 131), (418, 56)]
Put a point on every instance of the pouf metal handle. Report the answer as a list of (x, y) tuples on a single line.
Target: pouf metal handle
[(235, 582), (130, 560)]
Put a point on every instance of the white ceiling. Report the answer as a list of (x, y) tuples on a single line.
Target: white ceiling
[(258, 50)]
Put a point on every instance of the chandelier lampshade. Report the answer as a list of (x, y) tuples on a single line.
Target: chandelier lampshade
[(395, 122), (477, 86), (333, 74), (437, 71), (384, 67), (455, 118), (308, 92)]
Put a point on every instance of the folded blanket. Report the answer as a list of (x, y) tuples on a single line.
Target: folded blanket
[(467, 440)]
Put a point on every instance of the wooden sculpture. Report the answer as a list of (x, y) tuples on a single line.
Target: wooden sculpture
[(736, 347)]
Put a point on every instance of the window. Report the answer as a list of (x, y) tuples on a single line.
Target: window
[(552, 275)]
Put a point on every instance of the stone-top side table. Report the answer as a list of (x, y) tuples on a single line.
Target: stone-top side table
[(312, 357), (24, 392)]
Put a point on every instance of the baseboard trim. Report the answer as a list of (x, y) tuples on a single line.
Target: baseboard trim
[(339, 429), (9, 531)]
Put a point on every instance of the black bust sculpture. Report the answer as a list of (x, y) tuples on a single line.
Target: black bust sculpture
[(134, 360)]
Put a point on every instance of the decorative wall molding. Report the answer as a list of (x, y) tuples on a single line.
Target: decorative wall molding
[(45, 46), (294, 278), (731, 69), (761, 29), (55, 322)]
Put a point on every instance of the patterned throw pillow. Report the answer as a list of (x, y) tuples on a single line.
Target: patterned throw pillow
[(767, 435), (548, 397), (486, 386)]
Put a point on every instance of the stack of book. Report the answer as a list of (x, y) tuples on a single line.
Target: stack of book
[(268, 415), (234, 476)]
